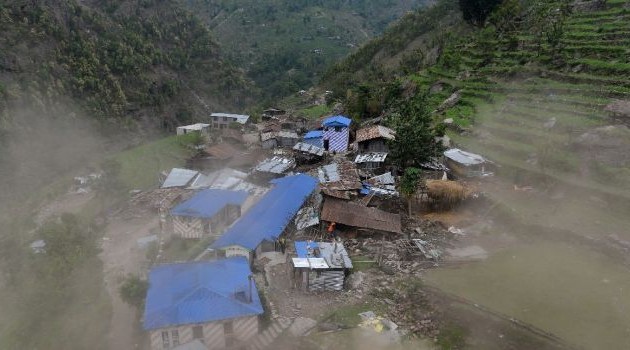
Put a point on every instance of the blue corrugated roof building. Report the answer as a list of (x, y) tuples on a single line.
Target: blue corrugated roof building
[(200, 292), (268, 218), (208, 203), (313, 134), (337, 120)]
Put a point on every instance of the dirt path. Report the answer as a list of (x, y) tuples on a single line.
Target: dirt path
[(121, 256)]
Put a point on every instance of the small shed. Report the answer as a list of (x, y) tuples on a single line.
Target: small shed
[(207, 212), (371, 161), (223, 120), (320, 265), (374, 139), (201, 128), (465, 164), (336, 134), (315, 138)]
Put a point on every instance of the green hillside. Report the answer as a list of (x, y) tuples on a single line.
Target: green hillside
[(533, 102), (120, 62), (284, 45)]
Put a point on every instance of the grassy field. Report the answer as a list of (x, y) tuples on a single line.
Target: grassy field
[(140, 166)]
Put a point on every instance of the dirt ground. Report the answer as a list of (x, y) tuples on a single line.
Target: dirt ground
[(121, 256), (70, 202)]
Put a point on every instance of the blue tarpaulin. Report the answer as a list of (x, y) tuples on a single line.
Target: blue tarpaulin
[(200, 292), (268, 218), (337, 120), (208, 203)]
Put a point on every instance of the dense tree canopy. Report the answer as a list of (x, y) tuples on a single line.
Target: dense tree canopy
[(476, 12)]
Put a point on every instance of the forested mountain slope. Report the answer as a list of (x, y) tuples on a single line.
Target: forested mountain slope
[(285, 45), (534, 84)]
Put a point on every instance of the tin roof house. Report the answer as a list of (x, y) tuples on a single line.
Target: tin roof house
[(336, 133), (320, 265), (263, 223), (214, 302), (466, 164), (207, 212)]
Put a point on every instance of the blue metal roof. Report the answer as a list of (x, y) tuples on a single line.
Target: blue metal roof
[(268, 218), (314, 134), (208, 203), (199, 292), (337, 120)]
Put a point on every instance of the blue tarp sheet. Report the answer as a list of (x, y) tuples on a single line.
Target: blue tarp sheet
[(199, 292), (337, 120), (268, 218), (208, 203)]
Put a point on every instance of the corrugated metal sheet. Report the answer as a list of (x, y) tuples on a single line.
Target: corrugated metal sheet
[(373, 157), (463, 157), (179, 177), (199, 292), (308, 148), (339, 176), (306, 217), (383, 179), (356, 215), (268, 218), (374, 132), (208, 203), (337, 120), (275, 165), (334, 254)]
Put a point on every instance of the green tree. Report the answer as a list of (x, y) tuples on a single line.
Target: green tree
[(133, 291), (409, 185), (415, 134), (476, 12)]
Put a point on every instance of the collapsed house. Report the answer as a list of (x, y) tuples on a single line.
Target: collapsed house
[(281, 138), (371, 161), (274, 167), (214, 302), (306, 153), (226, 179), (382, 185), (466, 164), (336, 133), (201, 128), (207, 213), (272, 112), (359, 217), (320, 265), (257, 231), (340, 180)]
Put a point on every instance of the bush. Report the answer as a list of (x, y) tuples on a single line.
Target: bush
[(133, 291)]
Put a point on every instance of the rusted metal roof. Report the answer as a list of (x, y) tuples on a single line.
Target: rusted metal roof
[(335, 193), (222, 151), (356, 215), (375, 132)]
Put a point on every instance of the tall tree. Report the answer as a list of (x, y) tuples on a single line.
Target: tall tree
[(409, 185), (476, 12), (415, 134)]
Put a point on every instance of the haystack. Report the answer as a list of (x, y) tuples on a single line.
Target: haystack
[(447, 193)]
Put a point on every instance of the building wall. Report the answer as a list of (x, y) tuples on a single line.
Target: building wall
[(269, 144), (374, 145), (287, 141), (337, 140), (235, 250), (188, 227), (213, 334)]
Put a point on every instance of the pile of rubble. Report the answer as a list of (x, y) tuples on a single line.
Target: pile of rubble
[(408, 305), (423, 247)]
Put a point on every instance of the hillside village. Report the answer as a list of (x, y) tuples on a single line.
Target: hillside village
[(449, 185), (292, 214)]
